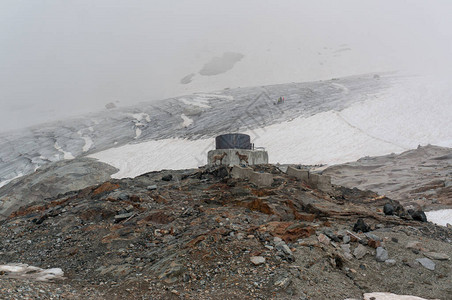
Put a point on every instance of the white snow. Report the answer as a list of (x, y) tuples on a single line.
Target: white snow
[(440, 217), (5, 182), (321, 139), (215, 96), (141, 116), (200, 102), (342, 87), (140, 120), (390, 296), (418, 112), (29, 272), (186, 120), (66, 155), (137, 132), (136, 159), (88, 141)]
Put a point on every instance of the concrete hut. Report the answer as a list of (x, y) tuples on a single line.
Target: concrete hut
[(236, 149)]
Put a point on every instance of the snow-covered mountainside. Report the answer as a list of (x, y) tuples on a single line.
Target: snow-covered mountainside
[(378, 116), (193, 117), (324, 122)]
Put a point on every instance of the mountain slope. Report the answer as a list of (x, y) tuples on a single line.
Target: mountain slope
[(201, 234), (193, 117)]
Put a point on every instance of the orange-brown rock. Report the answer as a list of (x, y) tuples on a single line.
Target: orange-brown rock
[(288, 231), (105, 187)]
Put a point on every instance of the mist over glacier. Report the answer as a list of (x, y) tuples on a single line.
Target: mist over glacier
[(62, 59)]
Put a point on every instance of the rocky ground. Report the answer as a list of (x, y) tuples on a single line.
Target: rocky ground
[(51, 180), (202, 234), (420, 178)]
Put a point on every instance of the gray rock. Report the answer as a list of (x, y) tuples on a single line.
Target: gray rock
[(382, 254), (123, 196), (171, 272), (418, 215), (372, 236), (286, 249), (281, 246), (323, 239), (360, 251), (51, 180), (257, 260), (346, 239), (347, 251), (119, 218), (390, 262), (329, 233), (436, 255), (360, 225), (346, 248), (426, 263), (151, 187), (168, 177), (283, 282), (277, 239), (388, 209)]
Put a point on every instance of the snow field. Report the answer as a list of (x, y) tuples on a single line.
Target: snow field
[(136, 159), (440, 217)]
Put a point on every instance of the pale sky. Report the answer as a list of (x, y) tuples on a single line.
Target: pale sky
[(63, 58)]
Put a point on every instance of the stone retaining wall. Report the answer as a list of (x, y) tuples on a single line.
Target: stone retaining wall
[(259, 179), (320, 182)]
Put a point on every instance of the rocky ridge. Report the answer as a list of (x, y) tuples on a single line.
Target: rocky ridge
[(203, 234), (418, 178)]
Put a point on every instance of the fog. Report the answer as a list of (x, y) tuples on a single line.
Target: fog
[(63, 58)]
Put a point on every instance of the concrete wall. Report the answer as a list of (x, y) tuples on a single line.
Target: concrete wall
[(259, 179), (255, 157), (316, 181), (303, 175)]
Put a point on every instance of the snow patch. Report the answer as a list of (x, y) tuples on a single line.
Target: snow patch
[(88, 141), (66, 155), (321, 139), (215, 96), (31, 273), (390, 296), (136, 159), (200, 102), (137, 132), (5, 182), (141, 116), (440, 217), (186, 121), (140, 120)]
